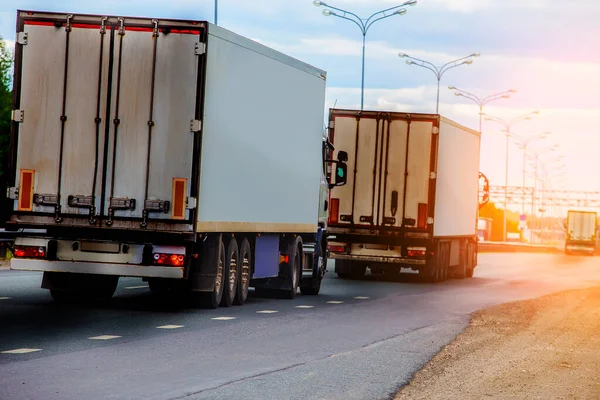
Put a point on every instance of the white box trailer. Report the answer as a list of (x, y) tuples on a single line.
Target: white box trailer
[(412, 195), (171, 150), (582, 227)]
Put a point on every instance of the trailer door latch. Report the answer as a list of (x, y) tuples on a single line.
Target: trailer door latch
[(12, 193), (199, 48)]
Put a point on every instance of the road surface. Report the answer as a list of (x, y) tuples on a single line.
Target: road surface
[(356, 340)]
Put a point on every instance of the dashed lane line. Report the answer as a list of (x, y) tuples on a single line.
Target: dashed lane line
[(362, 297), (5, 298), (104, 337), (170, 326), (136, 287), (20, 351), (304, 306), (335, 302), (267, 312), (223, 318)]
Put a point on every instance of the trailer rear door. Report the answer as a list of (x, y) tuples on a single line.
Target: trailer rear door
[(390, 160), (107, 105)]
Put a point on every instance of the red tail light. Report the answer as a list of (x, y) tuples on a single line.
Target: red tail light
[(416, 252), (336, 248), (176, 260), (334, 211), (29, 252)]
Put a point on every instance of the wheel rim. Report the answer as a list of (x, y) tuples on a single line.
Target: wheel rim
[(245, 271), (232, 273), (219, 277)]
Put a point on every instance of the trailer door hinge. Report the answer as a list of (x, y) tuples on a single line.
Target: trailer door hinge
[(195, 125), (192, 202), (18, 115), (331, 124), (199, 48), (22, 38), (435, 130), (12, 193), (432, 175), (430, 221)]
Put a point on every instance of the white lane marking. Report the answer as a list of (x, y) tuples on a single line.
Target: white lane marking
[(223, 318), (20, 351), (137, 287), (305, 306), (362, 297), (5, 298), (334, 302), (103, 337), (266, 312), (170, 326)]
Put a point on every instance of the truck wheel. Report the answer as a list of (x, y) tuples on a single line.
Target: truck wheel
[(230, 274), (312, 290), (294, 269), (213, 299), (461, 270), (471, 258), (244, 273)]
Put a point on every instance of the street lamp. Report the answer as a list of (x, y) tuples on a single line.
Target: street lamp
[(535, 158), (507, 125), (524, 142), (364, 24), (481, 102), (439, 71)]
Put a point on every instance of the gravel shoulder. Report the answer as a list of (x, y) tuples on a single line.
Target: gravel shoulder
[(547, 348)]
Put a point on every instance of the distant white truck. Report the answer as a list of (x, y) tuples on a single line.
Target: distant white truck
[(412, 196), (581, 232), (171, 150)]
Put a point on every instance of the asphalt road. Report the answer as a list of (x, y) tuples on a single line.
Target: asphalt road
[(356, 340)]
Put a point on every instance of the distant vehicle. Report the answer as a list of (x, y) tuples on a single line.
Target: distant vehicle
[(484, 229), (581, 232), (412, 196), (171, 150)]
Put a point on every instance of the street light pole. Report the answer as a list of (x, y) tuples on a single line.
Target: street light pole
[(439, 71), (481, 102), (364, 24), (507, 125), (216, 9)]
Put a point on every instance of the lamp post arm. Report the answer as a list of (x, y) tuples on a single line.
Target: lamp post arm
[(375, 20), (358, 23)]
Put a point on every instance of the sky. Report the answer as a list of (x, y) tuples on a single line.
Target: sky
[(545, 49)]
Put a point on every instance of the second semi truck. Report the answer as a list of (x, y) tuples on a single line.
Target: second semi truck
[(412, 195), (171, 150), (581, 232)]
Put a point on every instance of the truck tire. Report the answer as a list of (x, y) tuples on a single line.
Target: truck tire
[(213, 299), (244, 273), (294, 268), (230, 273), (471, 259)]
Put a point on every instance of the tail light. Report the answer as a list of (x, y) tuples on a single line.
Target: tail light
[(175, 260), (336, 248), (334, 211), (29, 252), (417, 251)]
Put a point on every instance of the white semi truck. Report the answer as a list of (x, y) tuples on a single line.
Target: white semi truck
[(171, 150), (581, 230), (412, 196)]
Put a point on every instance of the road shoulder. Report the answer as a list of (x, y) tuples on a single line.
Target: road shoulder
[(542, 348)]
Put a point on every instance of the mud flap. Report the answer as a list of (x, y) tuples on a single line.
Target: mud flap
[(204, 268)]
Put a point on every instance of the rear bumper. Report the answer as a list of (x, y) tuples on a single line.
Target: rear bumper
[(378, 259), (96, 268)]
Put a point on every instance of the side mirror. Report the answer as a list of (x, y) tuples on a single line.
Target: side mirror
[(341, 170)]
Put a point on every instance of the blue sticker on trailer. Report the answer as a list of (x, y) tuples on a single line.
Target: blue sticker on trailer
[(266, 261)]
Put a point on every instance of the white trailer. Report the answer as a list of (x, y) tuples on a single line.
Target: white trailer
[(172, 150), (581, 232), (412, 196)]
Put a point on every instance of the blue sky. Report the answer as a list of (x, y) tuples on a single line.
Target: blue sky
[(545, 49)]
